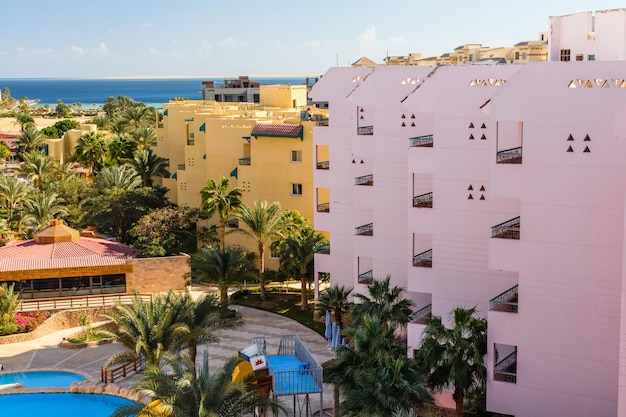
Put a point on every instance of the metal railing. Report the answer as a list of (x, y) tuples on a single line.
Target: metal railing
[(323, 249), (507, 230), (245, 161), (323, 208), (424, 259), (365, 130), (423, 200), (365, 180), (232, 223), (422, 315), (111, 374), (191, 142), (506, 301), (509, 156), (366, 277), (90, 301), (295, 381), (506, 369), (181, 167), (425, 141), (365, 230), (323, 165)]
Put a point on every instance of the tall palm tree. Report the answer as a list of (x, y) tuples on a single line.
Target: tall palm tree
[(90, 150), (40, 208), (373, 373), (29, 139), (385, 302), (118, 125), (144, 136), (190, 394), (121, 148), (455, 356), (218, 199), (335, 300), (227, 268), (138, 115), (40, 168), (121, 178), (24, 119), (101, 121), (12, 192), (148, 329), (296, 255), (263, 223), (147, 164)]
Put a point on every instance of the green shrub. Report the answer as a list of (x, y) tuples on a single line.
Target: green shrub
[(9, 302), (7, 329)]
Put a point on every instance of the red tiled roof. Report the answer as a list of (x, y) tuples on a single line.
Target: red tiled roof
[(281, 130), (83, 252)]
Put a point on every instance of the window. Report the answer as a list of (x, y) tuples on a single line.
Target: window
[(516, 55), (296, 189), (296, 156), (565, 54), (579, 57), (591, 57)]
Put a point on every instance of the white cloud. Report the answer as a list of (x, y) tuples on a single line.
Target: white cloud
[(205, 47), (368, 36), (146, 25), (230, 41), (77, 50), (20, 50), (153, 51), (101, 50)]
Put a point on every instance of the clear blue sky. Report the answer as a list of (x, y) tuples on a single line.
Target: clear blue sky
[(84, 38)]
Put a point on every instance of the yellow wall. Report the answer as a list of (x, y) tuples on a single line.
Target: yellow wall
[(283, 95)]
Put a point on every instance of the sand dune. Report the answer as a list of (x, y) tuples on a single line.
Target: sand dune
[(9, 125)]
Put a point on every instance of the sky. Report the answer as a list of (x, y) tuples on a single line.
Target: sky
[(209, 38)]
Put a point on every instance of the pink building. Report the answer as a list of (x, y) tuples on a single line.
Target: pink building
[(500, 187)]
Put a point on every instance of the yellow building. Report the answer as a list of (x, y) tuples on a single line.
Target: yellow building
[(266, 149)]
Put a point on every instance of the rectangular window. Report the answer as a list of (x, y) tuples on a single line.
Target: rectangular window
[(565, 55), (296, 189), (516, 55), (579, 57), (591, 57), (296, 156)]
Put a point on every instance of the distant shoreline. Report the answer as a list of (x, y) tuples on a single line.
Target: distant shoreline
[(169, 77)]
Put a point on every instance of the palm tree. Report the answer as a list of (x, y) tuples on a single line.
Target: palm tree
[(148, 329), (121, 148), (218, 199), (148, 165), (40, 168), (296, 255), (40, 208), (101, 121), (264, 223), (90, 150), (12, 191), (121, 178), (24, 120), (225, 269), (335, 300), (118, 125), (455, 356), (373, 373), (144, 136), (384, 302), (138, 115), (29, 139), (187, 393)]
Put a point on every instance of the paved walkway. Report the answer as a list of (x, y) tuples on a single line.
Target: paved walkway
[(46, 353)]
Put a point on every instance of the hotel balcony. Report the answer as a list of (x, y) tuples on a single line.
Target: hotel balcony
[(191, 142), (509, 156), (365, 230), (506, 369), (422, 315), (423, 200), (505, 302), (323, 165), (232, 223), (507, 230), (365, 130), (366, 277), (181, 167), (323, 208), (325, 250), (424, 259), (421, 141), (365, 180), (245, 161)]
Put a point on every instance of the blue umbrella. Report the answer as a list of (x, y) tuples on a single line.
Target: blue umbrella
[(336, 336), (328, 333)]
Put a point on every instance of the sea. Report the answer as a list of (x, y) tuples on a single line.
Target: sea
[(94, 92)]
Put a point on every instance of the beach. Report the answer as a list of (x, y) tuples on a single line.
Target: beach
[(9, 125)]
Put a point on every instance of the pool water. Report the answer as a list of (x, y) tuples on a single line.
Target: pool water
[(41, 379), (60, 405)]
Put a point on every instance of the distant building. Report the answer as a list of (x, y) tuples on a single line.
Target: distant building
[(364, 62), (240, 90)]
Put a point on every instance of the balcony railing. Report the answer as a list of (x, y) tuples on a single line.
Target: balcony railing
[(365, 230), (424, 259), (323, 208), (506, 369), (365, 130), (507, 230), (423, 200), (421, 141), (366, 277), (365, 180), (323, 165), (232, 223), (181, 167), (507, 301), (191, 142), (323, 249), (160, 125), (422, 315), (509, 156), (245, 161)]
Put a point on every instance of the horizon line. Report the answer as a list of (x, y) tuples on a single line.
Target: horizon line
[(172, 76)]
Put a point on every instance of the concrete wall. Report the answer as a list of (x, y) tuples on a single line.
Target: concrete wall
[(152, 275)]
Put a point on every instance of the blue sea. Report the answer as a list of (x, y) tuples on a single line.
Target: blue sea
[(93, 92)]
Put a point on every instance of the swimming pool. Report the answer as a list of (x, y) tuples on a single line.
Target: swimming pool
[(41, 379), (60, 405)]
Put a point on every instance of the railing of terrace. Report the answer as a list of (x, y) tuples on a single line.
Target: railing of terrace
[(366, 277), (422, 315), (423, 200), (509, 156), (323, 165), (365, 130), (323, 208), (506, 369), (507, 230), (506, 301), (365, 230), (245, 161), (424, 259), (425, 141), (365, 180)]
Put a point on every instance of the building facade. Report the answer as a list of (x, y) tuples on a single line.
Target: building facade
[(498, 187)]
